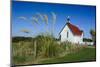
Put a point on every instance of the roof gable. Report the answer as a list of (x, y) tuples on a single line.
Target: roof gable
[(75, 30)]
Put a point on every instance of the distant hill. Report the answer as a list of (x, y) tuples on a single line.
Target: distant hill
[(17, 39)]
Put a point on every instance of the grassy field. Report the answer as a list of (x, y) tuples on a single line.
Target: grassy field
[(86, 54), (45, 49)]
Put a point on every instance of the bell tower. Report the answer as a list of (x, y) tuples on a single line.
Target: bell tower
[(68, 19)]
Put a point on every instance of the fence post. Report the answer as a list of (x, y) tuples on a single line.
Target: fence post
[(35, 48)]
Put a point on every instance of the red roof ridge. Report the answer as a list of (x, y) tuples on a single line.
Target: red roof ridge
[(75, 30)]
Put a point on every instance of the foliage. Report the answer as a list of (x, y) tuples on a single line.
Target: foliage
[(47, 47), (87, 40), (17, 39), (93, 34), (38, 47), (32, 51)]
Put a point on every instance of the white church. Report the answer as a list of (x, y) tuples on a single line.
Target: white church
[(71, 33)]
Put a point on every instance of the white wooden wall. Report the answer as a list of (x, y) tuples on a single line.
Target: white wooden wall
[(71, 37)]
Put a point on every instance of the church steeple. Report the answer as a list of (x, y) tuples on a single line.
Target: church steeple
[(68, 19)]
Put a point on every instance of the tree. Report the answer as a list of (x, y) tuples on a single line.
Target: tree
[(93, 35)]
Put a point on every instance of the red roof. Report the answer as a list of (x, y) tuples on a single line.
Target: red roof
[(75, 30)]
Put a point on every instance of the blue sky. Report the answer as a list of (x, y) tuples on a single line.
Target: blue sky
[(22, 13)]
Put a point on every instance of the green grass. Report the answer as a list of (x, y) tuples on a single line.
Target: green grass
[(86, 54), (27, 52), (45, 49)]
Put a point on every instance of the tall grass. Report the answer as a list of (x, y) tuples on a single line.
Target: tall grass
[(41, 47), (47, 46)]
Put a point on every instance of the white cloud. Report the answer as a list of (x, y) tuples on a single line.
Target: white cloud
[(22, 18)]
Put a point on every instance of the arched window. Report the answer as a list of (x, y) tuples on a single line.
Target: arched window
[(67, 34), (60, 37)]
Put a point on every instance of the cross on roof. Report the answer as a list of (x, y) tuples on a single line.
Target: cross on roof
[(68, 19)]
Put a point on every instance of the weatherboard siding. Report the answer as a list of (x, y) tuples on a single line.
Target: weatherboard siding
[(71, 38), (78, 39), (64, 34)]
